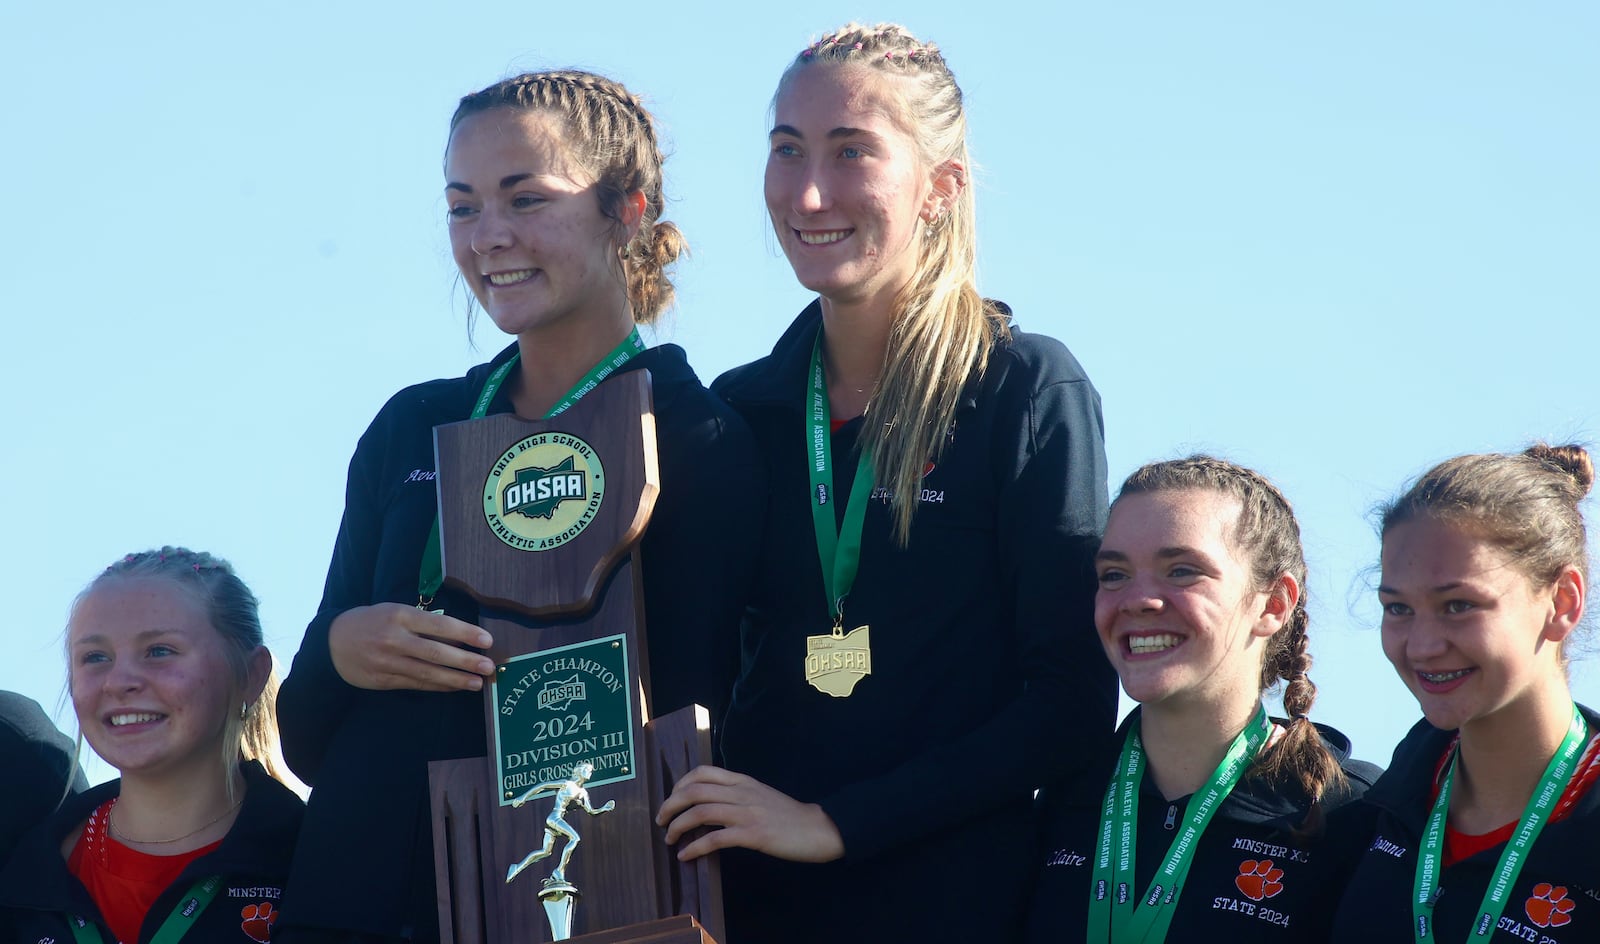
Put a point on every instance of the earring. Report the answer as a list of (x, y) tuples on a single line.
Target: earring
[(244, 710)]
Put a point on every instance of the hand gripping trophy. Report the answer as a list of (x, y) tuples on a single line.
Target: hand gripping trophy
[(567, 793)]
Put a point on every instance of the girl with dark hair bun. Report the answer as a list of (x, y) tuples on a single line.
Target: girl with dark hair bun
[(1488, 822), (171, 686), (1204, 819), (553, 189)]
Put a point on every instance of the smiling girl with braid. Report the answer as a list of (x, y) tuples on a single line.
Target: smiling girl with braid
[(1201, 609)]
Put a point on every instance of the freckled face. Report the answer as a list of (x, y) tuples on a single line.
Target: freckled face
[(1176, 605), (844, 186), (525, 223), (150, 679), (1462, 625)]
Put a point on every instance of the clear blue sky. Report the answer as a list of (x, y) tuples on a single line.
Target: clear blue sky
[(1335, 244)]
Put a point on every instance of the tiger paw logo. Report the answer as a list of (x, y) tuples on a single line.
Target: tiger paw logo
[(1259, 880), (1550, 907), (543, 491), (258, 921)]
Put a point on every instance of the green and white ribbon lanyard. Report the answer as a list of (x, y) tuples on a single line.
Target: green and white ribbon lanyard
[(432, 573), (1114, 914), (184, 914), (838, 546), (1431, 851)]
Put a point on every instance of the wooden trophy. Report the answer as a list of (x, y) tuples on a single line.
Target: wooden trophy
[(540, 521)]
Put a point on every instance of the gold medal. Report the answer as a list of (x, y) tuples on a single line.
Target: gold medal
[(837, 661)]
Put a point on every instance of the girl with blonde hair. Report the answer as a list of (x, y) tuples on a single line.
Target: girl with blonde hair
[(920, 639), (173, 687)]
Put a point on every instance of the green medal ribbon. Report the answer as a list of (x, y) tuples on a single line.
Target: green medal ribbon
[(184, 914), (838, 548), (432, 573), (1114, 914), (1430, 855)]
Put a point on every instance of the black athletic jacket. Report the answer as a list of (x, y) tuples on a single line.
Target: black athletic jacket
[(1262, 872), (1555, 900), (37, 893), (40, 769), (985, 664), (365, 861)]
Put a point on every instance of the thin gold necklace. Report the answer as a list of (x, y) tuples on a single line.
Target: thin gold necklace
[(111, 826)]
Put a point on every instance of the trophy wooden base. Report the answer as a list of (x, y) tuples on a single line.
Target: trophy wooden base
[(626, 886), (678, 929)]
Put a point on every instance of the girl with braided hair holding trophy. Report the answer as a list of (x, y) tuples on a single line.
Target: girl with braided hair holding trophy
[(553, 186)]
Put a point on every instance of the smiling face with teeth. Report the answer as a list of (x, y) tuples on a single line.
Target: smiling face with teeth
[(845, 186), (1177, 609), (1469, 633), (526, 229), (151, 682)]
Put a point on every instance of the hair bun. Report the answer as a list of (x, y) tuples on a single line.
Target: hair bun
[(1571, 458)]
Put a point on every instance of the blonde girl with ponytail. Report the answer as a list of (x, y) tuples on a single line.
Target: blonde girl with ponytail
[(920, 628)]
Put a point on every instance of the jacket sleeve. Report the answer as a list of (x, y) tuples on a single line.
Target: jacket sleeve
[(41, 768), (1048, 447), (314, 698), (701, 553)]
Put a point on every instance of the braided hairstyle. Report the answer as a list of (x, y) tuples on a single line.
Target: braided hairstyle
[(1526, 504), (1268, 536), (233, 611), (613, 138), (943, 329)]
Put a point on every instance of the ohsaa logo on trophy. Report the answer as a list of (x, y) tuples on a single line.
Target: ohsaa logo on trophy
[(543, 491), (559, 695)]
